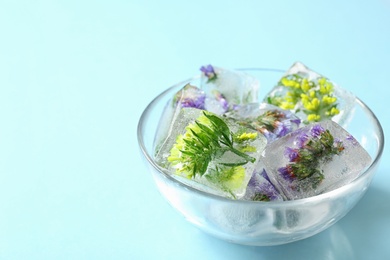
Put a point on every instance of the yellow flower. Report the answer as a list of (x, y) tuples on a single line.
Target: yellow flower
[(326, 87), (313, 117), (176, 159), (288, 82), (328, 100), (247, 136), (304, 97), (321, 81), (248, 149), (312, 105), (305, 85), (287, 105), (334, 111), (236, 179)]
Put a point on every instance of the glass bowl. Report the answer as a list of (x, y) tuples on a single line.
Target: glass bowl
[(254, 222)]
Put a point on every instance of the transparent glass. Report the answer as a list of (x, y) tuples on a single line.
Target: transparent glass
[(261, 223)]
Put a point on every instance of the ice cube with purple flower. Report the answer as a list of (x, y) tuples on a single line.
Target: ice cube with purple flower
[(188, 96), (314, 159), (227, 89), (272, 121), (261, 189)]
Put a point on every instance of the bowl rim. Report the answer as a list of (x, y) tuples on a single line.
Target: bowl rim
[(332, 193)]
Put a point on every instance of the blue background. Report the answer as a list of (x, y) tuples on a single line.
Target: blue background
[(75, 77)]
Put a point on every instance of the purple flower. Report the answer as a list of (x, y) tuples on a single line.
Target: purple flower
[(352, 139), (291, 153), (221, 99), (282, 128), (317, 130), (190, 96), (235, 107), (269, 135), (209, 72), (260, 188), (265, 175), (301, 139), (195, 103), (296, 121), (267, 189), (286, 173), (253, 182)]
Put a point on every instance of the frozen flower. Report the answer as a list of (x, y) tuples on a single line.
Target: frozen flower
[(313, 98), (286, 173), (273, 124), (209, 72), (282, 128), (352, 139), (261, 189), (221, 100), (310, 152), (301, 139), (317, 130), (292, 154), (265, 175), (296, 121), (190, 96)]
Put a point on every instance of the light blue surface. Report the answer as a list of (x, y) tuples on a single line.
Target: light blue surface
[(76, 75)]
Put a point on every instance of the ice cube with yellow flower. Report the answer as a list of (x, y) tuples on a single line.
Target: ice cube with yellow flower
[(215, 153), (311, 96)]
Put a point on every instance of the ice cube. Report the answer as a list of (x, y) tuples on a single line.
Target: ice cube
[(251, 220), (261, 189), (210, 150), (272, 121), (312, 96), (227, 88), (300, 219), (314, 159), (188, 96)]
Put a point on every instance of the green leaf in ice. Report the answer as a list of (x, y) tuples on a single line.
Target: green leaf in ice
[(206, 140)]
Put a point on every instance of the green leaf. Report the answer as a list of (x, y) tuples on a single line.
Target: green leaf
[(221, 127), (234, 164)]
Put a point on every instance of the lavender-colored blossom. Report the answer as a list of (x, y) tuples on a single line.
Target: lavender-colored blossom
[(291, 153), (235, 107), (208, 71), (222, 100), (282, 128), (267, 189), (191, 96), (352, 139), (265, 175), (253, 182), (195, 103), (269, 135), (296, 121), (260, 186), (317, 130), (301, 139), (286, 173)]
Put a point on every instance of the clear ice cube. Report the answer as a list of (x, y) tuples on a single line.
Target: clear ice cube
[(212, 151), (272, 121), (261, 189), (227, 89), (188, 96), (312, 96), (314, 159)]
